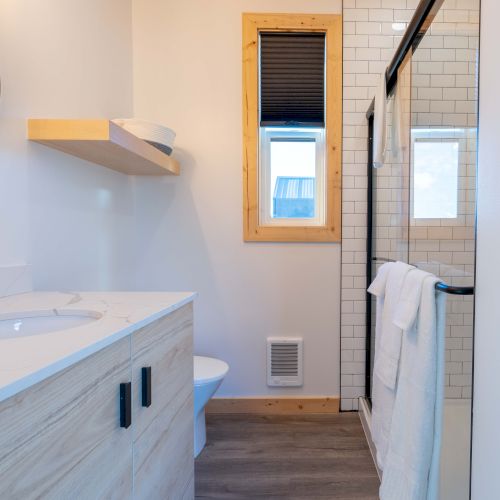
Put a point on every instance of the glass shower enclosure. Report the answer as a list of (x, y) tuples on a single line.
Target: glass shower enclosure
[(422, 201)]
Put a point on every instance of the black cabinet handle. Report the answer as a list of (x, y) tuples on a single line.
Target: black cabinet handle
[(125, 404), (146, 386)]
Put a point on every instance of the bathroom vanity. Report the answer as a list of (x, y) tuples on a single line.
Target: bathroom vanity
[(103, 409)]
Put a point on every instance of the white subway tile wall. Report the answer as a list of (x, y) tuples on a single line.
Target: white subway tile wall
[(444, 92)]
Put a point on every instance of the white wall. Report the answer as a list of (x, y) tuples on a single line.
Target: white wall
[(187, 75), (71, 219), (486, 410)]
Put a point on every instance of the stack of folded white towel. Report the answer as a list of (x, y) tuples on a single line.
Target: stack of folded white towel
[(407, 395)]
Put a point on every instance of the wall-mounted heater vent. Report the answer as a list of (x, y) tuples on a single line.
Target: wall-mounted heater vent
[(284, 361)]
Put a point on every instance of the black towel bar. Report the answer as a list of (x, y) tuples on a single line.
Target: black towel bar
[(442, 287)]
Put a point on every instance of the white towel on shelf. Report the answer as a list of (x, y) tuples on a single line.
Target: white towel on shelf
[(379, 123), (386, 287), (411, 469)]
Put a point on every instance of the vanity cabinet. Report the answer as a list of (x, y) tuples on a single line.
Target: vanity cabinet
[(163, 431), (62, 439)]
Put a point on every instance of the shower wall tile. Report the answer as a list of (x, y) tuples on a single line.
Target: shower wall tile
[(369, 44)]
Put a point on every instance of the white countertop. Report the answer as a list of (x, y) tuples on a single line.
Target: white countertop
[(25, 361)]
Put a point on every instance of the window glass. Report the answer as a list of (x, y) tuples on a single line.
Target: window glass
[(292, 176), (293, 172), (292, 125)]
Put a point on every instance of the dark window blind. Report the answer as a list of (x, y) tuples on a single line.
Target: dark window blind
[(292, 79)]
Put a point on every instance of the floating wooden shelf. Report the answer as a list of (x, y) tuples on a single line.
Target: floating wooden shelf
[(102, 142)]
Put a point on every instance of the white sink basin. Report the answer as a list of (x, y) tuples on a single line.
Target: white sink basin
[(33, 323)]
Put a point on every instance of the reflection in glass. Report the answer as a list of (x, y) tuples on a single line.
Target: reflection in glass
[(435, 176)]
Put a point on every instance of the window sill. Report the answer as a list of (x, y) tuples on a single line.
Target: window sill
[(290, 234)]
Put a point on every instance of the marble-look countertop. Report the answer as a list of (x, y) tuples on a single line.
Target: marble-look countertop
[(25, 361)]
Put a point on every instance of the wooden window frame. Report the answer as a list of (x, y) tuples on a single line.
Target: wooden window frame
[(331, 25)]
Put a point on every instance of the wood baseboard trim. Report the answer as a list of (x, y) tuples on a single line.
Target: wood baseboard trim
[(274, 406)]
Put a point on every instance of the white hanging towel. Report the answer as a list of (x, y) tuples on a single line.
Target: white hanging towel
[(411, 469), (387, 288), (379, 123), (397, 126)]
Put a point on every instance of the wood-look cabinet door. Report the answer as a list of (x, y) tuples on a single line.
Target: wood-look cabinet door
[(163, 431), (62, 439)]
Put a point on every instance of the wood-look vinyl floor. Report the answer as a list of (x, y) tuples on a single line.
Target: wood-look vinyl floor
[(292, 457)]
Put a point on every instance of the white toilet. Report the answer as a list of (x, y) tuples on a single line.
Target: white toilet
[(208, 376)]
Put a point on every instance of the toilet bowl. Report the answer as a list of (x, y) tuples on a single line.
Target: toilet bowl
[(208, 376)]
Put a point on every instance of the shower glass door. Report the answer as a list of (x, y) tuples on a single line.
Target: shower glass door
[(423, 203), (443, 145), (390, 200)]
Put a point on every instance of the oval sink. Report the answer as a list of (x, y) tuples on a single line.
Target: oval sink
[(25, 325)]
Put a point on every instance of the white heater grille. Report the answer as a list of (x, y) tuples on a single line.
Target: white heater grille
[(284, 361)]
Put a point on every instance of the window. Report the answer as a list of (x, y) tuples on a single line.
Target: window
[(292, 127), (435, 178), (291, 175)]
